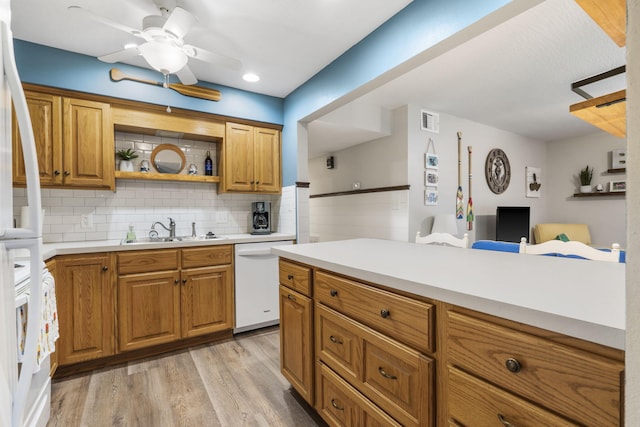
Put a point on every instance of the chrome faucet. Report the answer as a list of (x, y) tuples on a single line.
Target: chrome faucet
[(171, 229)]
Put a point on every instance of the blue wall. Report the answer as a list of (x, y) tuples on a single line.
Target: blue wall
[(47, 66), (416, 28)]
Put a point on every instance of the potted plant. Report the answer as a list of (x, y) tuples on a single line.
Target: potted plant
[(126, 155), (586, 175)]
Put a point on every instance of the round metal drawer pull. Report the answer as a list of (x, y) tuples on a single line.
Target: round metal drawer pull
[(105, 268), (384, 313), (335, 340), (176, 281), (290, 277), (67, 173), (384, 374), (513, 365), (505, 422), (56, 172), (335, 405), (333, 292), (291, 297), (184, 281)]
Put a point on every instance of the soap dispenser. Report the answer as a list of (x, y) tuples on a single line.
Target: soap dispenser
[(131, 235)]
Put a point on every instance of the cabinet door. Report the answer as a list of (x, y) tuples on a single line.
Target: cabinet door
[(88, 144), (296, 338), (84, 293), (207, 300), (148, 309), (267, 160), (46, 118), (238, 158)]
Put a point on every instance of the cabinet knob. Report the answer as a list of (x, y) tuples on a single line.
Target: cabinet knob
[(385, 374), (257, 182), (333, 292), (291, 297), (176, 281), (513, 365), (384, 313), (67, 173), (56, 172), (184, 281), (335, 405), (290, 277), (105, 268), (335, 340)]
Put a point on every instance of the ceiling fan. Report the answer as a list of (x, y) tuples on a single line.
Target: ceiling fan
[(163, 48)]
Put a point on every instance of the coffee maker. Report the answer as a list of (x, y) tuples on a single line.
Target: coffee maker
[(261, 213)]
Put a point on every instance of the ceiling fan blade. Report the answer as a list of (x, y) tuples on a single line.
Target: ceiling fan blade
[(179, 22), (186, 76), (120, 55), (85, 13), (213, 58)]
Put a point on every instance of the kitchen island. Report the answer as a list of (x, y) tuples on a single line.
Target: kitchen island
[(522, 339)]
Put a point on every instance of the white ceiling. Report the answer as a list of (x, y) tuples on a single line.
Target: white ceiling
[(515, 76), (285, 42)]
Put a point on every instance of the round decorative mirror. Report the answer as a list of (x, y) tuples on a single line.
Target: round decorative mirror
[(167, 158)]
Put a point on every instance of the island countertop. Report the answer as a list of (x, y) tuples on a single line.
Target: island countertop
[(580, 298)]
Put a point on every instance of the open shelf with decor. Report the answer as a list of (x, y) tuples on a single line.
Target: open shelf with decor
[(600, 194), (166, 177)]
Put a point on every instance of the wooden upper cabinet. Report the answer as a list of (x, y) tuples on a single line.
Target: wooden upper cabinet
[(251, 159), (74, 142), (88, 144), (46, 118)]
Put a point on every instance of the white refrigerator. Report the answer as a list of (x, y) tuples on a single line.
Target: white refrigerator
[(20, 405)]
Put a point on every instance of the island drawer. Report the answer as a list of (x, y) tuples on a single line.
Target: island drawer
[(207, 256), (295, 276), (473, 402), (407, 320), (582, 386), (395, 377), (341, 405), (147, 261)]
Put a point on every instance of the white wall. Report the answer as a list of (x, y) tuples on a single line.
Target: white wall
[(521, 152), (605, 216)]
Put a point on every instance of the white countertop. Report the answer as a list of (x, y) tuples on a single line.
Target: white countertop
[(580, 298), (50, 250)]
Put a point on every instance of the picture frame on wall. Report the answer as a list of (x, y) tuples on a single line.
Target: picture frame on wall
[(533, 181), (618, 186), (431, 196), (431, 178), (431, 161)]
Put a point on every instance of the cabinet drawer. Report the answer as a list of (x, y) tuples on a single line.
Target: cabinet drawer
[(395, 377), (473, 402), (296, 277), (582, 386), (339, 404), (147, 261), (403, 318), (207, 256)]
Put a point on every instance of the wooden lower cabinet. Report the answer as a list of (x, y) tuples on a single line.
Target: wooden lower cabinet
[(85, 300), (296, 341), (161, 301)]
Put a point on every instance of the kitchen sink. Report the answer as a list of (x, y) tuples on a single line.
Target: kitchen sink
[(147, 240)]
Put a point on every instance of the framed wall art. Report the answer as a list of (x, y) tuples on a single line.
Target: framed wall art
[(533, 182)]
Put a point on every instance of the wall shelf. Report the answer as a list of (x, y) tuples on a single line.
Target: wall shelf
[(166, 177), (600, 194), (617, 170)]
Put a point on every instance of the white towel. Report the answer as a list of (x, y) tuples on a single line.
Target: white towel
[(48, 325)]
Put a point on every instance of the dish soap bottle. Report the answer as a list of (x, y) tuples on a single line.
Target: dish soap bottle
[(131, 235), (208, 165)]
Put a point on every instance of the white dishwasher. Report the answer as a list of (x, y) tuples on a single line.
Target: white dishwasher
[(256, 271)]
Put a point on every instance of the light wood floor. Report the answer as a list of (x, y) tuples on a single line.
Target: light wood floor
[(232, 383)]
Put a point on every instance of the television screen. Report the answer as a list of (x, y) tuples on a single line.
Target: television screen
[(512, 223)]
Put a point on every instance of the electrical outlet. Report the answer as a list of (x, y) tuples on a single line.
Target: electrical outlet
[(86, 221)]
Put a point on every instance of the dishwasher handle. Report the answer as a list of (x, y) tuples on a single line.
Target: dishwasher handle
[(253, 252)]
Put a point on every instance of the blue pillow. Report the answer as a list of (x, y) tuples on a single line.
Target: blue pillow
[(493, 245)]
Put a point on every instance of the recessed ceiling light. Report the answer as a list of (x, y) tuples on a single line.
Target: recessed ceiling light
[(130, 45), (250, 77)]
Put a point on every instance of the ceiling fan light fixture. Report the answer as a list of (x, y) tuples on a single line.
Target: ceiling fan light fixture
[(164, 57), (251, 77)]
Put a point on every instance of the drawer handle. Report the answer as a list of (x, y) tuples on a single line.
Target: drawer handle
[(291, 297), (335, 405), (335, 340), (504, 422), (384, 313), (513, 365), (384, 374), (333, 292), (290, 277)]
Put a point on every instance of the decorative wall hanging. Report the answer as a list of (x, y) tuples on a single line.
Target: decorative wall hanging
[(497, 171), (470, 201), (533, 181), (459, 195), (431, 196), (186, 90), (431, 161)]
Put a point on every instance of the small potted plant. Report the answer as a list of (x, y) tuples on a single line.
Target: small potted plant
[(586, 175), (126, 155)]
